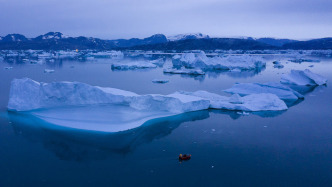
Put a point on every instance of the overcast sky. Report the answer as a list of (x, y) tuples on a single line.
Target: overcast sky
[(111, 19)]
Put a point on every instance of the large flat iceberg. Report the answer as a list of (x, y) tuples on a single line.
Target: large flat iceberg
[(304, 78), (27, 94), (71, 104)]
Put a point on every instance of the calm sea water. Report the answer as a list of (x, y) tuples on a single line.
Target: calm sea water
[(291, 148)]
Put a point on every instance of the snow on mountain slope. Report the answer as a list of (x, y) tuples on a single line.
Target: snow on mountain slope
[(187, 36)]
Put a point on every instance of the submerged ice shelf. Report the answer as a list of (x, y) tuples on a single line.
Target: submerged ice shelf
[(48, 101)]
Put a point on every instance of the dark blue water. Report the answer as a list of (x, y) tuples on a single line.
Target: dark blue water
[(291, 148)]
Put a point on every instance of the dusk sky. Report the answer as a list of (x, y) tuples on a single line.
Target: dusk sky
[(112, 19)]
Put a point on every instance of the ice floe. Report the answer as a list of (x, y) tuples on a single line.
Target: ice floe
[(305, 78)]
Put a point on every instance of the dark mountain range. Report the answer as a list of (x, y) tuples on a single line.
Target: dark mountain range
[(13, 38), (323, 43), (58, 41), (154, 39), (275, 42), (208, 44)]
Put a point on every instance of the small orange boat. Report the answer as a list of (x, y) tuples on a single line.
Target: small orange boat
[(184, 157)]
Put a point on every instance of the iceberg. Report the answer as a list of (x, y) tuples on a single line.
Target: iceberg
[(107, 54), (305, 78), (27, 94), (201, 61), (252, 102), (130, 65), (283, 92), (74, 104)]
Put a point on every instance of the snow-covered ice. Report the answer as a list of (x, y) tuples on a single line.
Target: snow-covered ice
[(201, 61), (252, 102), (282, 91), (305, 78), (27, 94), (129, 65), (107, 54), (52, 102)]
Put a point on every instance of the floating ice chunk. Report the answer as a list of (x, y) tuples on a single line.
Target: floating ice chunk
[(252, 102), (129, 65), (243, 113), (107, 54), (306, 77), (184, 71), (283, 92), (200, 60), (49, 70), (160, 81)]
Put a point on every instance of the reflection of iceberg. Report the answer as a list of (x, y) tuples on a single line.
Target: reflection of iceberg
[(199, 78), (86, 145)]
